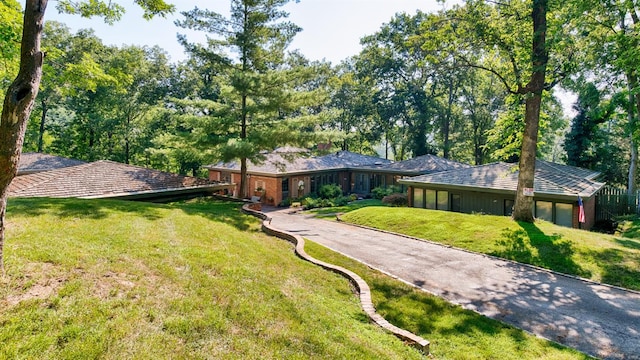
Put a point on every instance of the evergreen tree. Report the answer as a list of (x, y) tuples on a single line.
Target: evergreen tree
[(263, 100)]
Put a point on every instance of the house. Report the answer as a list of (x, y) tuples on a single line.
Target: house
[(108, 179), (288, 172), (491, 189)]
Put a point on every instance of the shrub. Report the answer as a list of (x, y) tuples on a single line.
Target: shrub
[(330, 191), (396, 199), (310, 203), (380, 192), (341, 201)]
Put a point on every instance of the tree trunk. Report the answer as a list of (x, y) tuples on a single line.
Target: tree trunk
[(43, 118), (18, 104), (523, 207), (633, 111)]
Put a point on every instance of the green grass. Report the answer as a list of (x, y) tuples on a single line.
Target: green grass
[(354, 205), (454, 333), (610, 259), (113, 280)]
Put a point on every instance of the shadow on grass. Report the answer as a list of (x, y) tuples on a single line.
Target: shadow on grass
[(227, 212), (530, 245), (628, 243), (79, 208), (618, 267)]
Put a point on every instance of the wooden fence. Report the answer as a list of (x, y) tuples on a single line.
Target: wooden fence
[(612, 201)]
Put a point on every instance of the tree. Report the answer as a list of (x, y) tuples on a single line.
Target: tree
[(10, 29), (21, 93), (263, 98), (515, 41), (611, 32)]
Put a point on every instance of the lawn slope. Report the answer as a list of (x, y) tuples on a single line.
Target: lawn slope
[(110, 279), (198, 280), (604, 258)]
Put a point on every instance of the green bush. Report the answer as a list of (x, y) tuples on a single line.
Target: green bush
[(396, 199), (341, 201), (330, 191)]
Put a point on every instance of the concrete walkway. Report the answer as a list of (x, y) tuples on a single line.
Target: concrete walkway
[(599, 320)]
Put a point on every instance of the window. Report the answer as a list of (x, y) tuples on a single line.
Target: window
[(225, 176), (431, 199), (508, 207), (564, 214), (443, 200), (260, 185), (285, 185), (312, 187), (456, 203), (418, 198), (544, 210)]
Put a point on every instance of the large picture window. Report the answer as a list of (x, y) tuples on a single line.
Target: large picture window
[(564, 214), (443, 200), (544, 210), (431, 199), (418, 198)]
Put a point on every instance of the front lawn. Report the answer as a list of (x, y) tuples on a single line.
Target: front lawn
[(90, 279), (610, 259), (112, 279)]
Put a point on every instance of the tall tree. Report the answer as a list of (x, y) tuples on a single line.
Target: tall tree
[(263, 100), (517, 43), (611, 28), (21, 93)]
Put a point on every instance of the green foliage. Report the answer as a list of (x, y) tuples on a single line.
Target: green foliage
[(330, 191), (396, 199), (10, 35), (264, 98)]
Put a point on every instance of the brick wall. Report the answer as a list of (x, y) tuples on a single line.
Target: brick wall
[(589, 214)]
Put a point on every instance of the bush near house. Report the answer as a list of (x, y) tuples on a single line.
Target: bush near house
[(380, 192), (330, 191), (396, 199)]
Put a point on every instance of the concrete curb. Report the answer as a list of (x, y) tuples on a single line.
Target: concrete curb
[(362, 287)]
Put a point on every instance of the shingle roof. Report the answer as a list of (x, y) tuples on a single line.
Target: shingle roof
[(35, 162), (281, 163), (426, 164), (550, 179), (102, 179), (294, 160)]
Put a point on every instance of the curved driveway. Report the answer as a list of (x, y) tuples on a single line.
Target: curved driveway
[(596, 319)]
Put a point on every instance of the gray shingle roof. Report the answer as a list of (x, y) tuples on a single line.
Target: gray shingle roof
[(550, 179), (290, 162), (279, 163), (426, 164), (35, 162), (102, 179)]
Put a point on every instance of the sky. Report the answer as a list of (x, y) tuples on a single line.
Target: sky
[(332, 29)]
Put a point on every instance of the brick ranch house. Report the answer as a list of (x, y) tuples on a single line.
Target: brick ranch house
[(290, 173), (491, 189)]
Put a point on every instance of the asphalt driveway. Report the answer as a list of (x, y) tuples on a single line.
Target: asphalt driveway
[(599, 320)]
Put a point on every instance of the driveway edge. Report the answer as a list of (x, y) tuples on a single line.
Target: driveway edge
[(585, 280), (361, 285)]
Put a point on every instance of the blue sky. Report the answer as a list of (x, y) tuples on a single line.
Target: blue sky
[(331, 28)]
